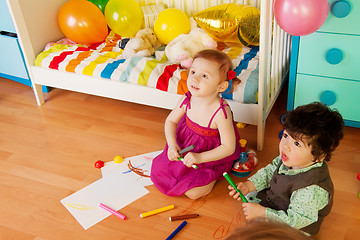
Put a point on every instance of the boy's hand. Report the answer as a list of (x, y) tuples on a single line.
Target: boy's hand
[(173, 154), (253, 210), (243, 187)]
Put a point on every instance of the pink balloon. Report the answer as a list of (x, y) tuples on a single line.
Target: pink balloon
[(301, 17)]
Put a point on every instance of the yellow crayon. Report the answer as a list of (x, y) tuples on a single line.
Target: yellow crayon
[(163, 209)]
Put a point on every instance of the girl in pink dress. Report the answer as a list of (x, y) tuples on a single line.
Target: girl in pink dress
[(201, 118)]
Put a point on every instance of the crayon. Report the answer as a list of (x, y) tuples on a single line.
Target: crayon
[(193, 166), (156, 211), (112, 211), (182, 217), (227, 177), (186, 149), (181, 226)]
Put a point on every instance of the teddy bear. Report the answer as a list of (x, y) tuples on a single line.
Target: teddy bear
[(183, 48), (143, 44)]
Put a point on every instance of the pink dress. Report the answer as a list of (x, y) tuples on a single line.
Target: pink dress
[(173, 178)]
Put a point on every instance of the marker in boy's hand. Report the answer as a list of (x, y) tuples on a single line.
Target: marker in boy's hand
[(235, 194), (234, 187), (244, 187)]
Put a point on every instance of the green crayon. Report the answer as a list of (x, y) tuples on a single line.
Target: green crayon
[(230, 181), (193, 166)]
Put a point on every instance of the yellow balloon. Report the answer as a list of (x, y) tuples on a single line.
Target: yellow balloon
[(234, 24), (170, 23), (124, 17)]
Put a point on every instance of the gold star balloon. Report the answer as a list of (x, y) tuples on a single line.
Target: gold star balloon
[(233, 24)]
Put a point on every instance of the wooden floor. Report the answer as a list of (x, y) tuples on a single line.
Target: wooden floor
[(48, 153)]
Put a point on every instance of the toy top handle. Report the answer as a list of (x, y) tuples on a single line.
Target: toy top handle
[(242, 142)]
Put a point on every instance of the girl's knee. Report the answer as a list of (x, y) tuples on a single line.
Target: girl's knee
[(194, 194), (199, 192)]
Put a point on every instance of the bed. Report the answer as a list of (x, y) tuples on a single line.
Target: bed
[(36, 25)]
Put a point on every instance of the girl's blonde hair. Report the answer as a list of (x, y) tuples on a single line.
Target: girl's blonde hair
[(224, 61)]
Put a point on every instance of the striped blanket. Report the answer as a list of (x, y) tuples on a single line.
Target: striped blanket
[(104, 60)]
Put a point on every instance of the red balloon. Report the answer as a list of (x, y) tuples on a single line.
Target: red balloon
[(82, 22)]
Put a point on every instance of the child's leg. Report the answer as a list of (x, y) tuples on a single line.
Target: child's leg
[(199, 192)]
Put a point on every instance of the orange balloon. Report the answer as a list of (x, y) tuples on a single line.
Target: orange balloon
[(82, 22)]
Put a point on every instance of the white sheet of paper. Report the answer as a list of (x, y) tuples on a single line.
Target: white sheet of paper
[(115, 191), (142, 162)]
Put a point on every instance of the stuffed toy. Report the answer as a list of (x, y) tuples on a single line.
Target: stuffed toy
[(143, 44), (183, 48)]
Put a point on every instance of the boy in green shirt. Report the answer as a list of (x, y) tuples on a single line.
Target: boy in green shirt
[(296, 188)]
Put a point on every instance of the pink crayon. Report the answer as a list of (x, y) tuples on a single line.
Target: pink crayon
[(123, 217)]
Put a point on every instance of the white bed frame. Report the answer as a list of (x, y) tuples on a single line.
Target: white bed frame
[(36, 24)]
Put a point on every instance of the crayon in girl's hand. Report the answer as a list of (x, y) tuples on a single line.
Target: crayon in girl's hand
[(193, 166), (186, 150)]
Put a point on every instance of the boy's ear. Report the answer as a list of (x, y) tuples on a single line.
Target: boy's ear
[(223, 86), (321, 158)]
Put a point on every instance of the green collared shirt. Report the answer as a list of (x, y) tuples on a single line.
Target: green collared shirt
[(305, 203)]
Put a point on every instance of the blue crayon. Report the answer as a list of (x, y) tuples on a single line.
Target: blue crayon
[(176, 230)]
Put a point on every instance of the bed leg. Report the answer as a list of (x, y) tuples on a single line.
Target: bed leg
[(38, 94), (260, 136)]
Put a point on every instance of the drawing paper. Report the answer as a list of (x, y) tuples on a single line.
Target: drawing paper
[(142, 162), (116, 192)]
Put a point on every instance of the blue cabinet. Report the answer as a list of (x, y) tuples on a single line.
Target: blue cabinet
[(324, 65), (12, 64)]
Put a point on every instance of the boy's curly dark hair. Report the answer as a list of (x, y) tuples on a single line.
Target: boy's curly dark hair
[(321, 126)]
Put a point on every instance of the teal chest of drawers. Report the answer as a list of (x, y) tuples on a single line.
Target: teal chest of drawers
[(12, 65), (325, 65)]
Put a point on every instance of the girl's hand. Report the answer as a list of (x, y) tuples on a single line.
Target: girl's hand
[(243, 187), (253, 210), (173, 154), (192, 158)]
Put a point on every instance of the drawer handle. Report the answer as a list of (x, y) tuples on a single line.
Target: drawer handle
[(341, 8), (328, 98), (334, 56), (9, 34)]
